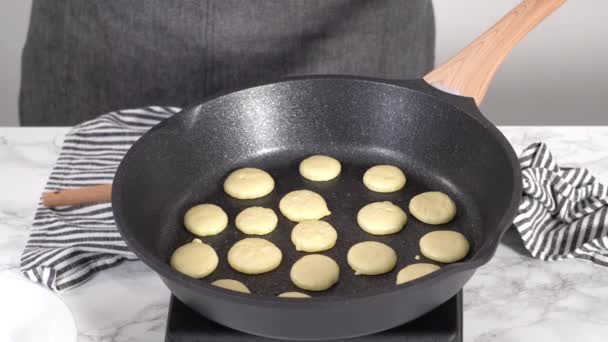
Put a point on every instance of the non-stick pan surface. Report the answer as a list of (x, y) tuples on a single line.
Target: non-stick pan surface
[(184, 160)]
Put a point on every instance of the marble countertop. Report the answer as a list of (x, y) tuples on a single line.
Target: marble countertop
[(512, 298)]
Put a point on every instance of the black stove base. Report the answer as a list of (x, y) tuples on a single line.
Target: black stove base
[(442, 324)]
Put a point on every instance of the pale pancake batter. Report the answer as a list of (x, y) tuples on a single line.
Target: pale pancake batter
[(320, 168), (371, 258), (205, 219), (303, 205), (249, 183), (313, 236), (256, 221), (254, 256), (381, 218), (444, 246), (415, 271), (315, 272), (231, 284), (384, 178), (293, 295), (433, 207), (195, 259)]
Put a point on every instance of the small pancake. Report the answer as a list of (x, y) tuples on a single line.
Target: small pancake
[(195, 259), (231, 284), (384, 178), (293, 295), (248, 183), (303, 205), (320, 168), (371, 258), (433, 207), (415, 271), (256, 221), (445, 246), (315, 272), (381, 218), (205, 219), (313, 236), (254, 256)]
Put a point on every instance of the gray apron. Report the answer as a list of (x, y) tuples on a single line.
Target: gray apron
[(84, 58)]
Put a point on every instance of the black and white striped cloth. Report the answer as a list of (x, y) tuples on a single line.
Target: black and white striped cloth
[(563, 212), (67, 245)]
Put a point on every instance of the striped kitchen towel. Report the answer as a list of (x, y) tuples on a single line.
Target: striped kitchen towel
[(67, 245), (563, 212)]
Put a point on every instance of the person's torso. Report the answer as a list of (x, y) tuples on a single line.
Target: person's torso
[(112, 54)]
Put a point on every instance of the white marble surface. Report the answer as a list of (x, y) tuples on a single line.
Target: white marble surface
[(513, 298)]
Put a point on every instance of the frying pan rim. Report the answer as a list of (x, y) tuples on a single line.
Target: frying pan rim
[(488, 246)]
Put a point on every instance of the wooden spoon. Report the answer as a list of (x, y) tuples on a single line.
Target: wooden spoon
[(85, 195)]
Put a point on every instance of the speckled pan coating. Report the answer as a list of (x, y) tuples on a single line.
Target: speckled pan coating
[(441, 142)]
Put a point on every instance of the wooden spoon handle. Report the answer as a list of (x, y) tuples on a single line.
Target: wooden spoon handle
[(470, 72), (78, 196)]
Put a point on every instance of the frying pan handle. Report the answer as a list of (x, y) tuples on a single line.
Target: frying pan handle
[(470, 72)]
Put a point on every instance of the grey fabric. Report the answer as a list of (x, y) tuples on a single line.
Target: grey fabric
[(83, 58)]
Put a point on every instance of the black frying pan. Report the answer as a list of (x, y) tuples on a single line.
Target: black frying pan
[(441, 141)]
